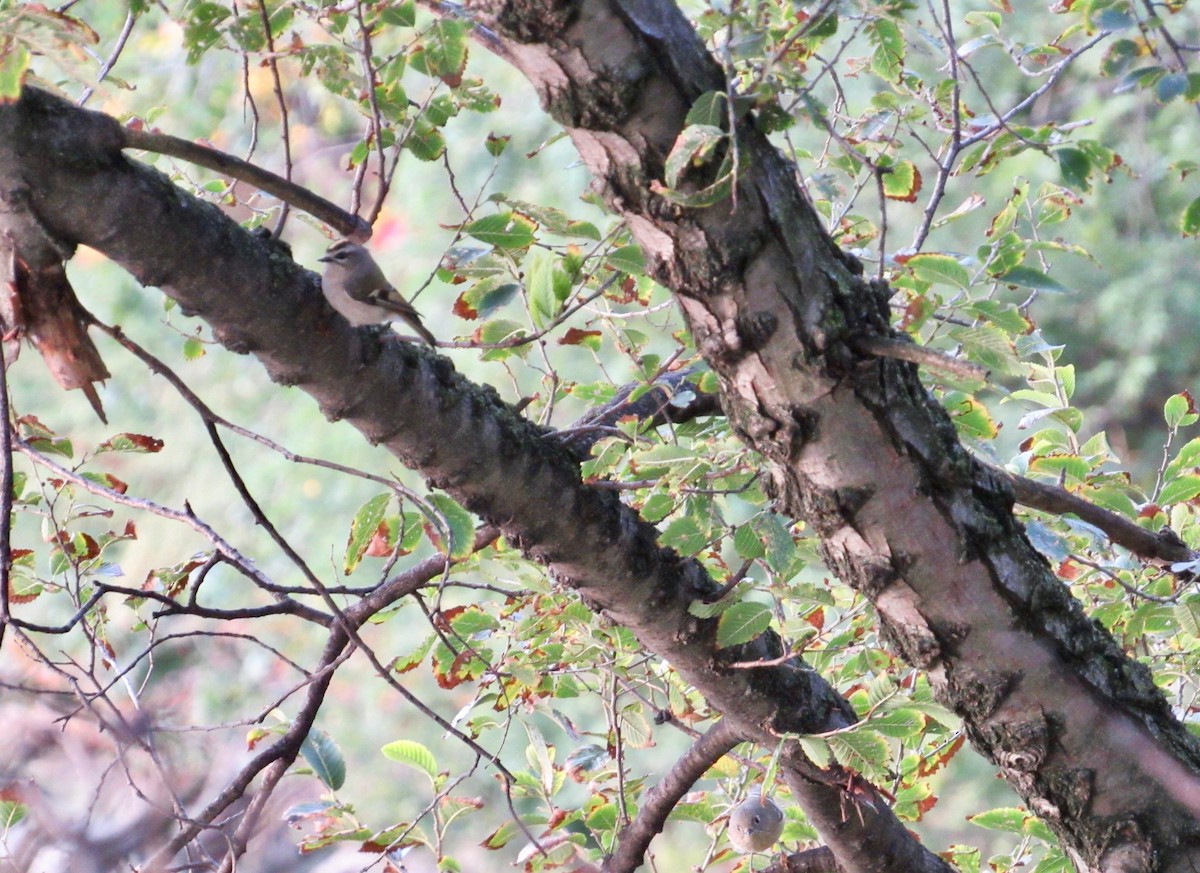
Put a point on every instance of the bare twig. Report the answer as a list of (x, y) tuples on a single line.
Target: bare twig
[(350, 226)]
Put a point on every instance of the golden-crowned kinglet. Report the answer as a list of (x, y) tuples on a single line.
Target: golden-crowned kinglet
[(755, 824), (356, 287)]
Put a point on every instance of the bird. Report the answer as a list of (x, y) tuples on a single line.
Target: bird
[(755, 824), (356, 287)]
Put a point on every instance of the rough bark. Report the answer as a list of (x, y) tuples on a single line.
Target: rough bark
[(857, 447)]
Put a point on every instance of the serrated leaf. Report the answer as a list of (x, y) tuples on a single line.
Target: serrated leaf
[(636, 731), (1002, 819), (399, 14), (1179, 490), (628, 259), (1187, 616), (748, 543), (1176, 409), (505, 230), (900, 723), (939, 269), (902, 182), (362, 529), (404, 663), (425, 141), (445, 48), (1171, 86), (325, 758), (412, 754), (861, 749), (970, 416), (460, 522), (1027, 277), (741, 623), (709, 109), (701, 609), (817, 749), (705, 197), (777, 538), (587, 758), (887, 61), (684, 535), (501, 836)]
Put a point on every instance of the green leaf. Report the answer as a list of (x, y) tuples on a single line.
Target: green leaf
[(362, 529), (709, 109), (414, 755), (1076, 166), (684, 535), (499, 330), (548, 284), (628, 259), (404, 663), (496, 145), (1187, 615), (777, 538), (1119, 56), (399, 14), (505, 230), (708, 196), (1189, 219), (460, 522), (325, 758), (747, 542), (1002, 819), (970, 416), (1179, 490), (741, 623), (899, 723), (862, 749), (444, 54), (887, 61), (13, 66), (1075, 468), (902, 182), (425, 142), (817, 749), (603, 818), (1176, 410), (939, 269), (11, 813), (1027, 277)]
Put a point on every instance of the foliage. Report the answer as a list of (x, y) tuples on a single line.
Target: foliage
[(945, 148)]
